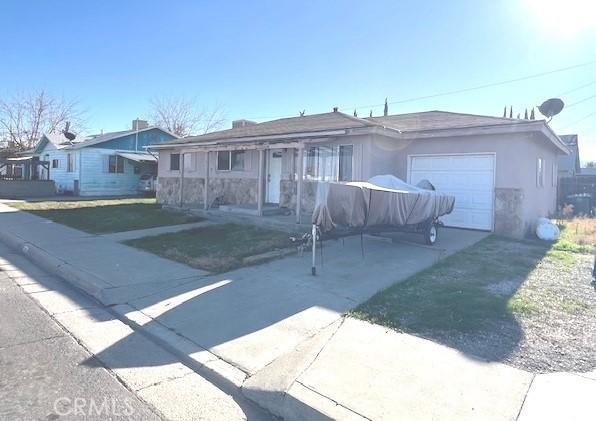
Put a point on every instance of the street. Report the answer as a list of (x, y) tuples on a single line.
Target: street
[(46, 374)]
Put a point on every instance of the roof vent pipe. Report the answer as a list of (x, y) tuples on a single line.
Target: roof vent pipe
[(334, 109)]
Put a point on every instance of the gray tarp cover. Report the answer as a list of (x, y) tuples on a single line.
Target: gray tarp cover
[(364, 204)]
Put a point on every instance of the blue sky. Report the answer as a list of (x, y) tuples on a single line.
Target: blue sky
[(268, 59)]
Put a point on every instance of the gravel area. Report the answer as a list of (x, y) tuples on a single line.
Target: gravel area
[(557, 334)]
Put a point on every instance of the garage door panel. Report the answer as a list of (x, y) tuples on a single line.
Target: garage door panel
[(470, 178)]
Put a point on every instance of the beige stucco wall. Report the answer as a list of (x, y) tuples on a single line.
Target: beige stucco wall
[(516, 166)]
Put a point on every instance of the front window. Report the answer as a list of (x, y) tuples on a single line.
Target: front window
[(175, 162), (55, 163), (329, 163), (116, 164), (231, 160)]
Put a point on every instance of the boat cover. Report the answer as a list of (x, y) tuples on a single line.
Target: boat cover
[(380, 201)]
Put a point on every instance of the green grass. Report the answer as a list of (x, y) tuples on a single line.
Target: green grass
[(106, 216), (216, 248), (466, 292)]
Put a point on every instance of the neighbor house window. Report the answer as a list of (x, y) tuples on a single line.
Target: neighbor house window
[(70, 162), (555, 174), (329, 163), (55, 163), (230, 160), (115, 164), (540, 172), (175, 162)]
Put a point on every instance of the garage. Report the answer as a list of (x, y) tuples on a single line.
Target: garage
[(469, 177)]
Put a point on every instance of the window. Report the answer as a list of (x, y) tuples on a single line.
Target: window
[(175, 162), (555, 174), (230, 160), (540, 173), (346, 153), (329, 163), (70, 162), (115, 164), (55, 163)]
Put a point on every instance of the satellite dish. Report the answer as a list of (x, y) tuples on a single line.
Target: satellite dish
[(70, 136), (551, 107)]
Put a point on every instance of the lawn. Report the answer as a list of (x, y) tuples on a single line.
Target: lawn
[(527, 303), (216, 248), (106, 215)]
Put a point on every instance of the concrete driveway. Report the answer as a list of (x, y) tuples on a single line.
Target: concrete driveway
[(251, 316)]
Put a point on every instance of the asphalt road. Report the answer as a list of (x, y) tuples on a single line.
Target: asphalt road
[(42, 375)]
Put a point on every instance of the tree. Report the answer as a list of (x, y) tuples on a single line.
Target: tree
[(25, 117), (183, 117), (591, 164)]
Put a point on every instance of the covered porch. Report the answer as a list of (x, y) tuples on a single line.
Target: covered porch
[(278, 178)]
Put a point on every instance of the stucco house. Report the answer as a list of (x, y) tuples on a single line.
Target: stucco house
[(101, 165), (502, 171)]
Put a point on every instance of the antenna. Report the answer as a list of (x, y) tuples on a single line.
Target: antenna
[(67, 134), (551, 107)]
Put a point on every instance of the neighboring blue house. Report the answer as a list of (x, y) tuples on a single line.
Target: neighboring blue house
[(101, 165)]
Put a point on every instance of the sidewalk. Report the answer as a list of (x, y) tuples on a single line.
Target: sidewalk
[(279, 334)]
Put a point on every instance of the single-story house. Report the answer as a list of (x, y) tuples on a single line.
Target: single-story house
[(569, 165), (502, 171), (103, 164)]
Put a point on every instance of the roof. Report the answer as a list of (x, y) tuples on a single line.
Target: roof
[(61, 142), (570, 163), (307, 123), (441, 120), (138, 156), (422, 122)]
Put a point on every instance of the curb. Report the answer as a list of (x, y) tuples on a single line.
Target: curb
[(58, 267)]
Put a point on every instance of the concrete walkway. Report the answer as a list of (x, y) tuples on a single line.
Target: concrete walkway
[(279, 333), (148, 232)]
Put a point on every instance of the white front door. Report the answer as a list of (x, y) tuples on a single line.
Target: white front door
[(468, 177), (273, 175)]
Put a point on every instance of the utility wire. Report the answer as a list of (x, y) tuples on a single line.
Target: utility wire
[(579, 121), (458, 91), (581, 100), (577, 89)]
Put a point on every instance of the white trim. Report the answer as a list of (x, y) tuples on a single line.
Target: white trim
[(493, 154)]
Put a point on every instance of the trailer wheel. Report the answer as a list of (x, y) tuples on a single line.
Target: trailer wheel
[(430, 234)]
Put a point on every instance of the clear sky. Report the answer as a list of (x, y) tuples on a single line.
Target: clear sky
[(268, 59)]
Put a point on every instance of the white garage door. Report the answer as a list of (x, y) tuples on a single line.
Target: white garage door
[(470, 178)]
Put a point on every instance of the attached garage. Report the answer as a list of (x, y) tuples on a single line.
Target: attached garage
[(469, 177)]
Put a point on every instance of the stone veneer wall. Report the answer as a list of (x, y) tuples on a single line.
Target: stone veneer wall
[(509, 213), (229, 190), (287, 196)]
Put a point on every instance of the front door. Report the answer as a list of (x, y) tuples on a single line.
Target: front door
[(273, 175)]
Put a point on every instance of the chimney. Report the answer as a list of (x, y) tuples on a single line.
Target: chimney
[(139, 124), (242, 123)]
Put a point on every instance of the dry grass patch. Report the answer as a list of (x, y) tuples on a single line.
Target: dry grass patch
[(577, 235)]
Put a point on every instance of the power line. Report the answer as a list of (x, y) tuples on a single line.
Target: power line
[(487, 85), (577, 88), (581, 100), (580, 120), (463, 90)]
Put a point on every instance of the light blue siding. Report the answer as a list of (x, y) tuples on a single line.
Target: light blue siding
[(63, 179), (97, 181), (137, 141)]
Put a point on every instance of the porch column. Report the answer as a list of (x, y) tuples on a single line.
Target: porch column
[(260, 182), (206, 186), (181, 179), (300, 177)]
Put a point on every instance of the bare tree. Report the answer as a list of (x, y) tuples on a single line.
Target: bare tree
[(25, 117), (184, 117)]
